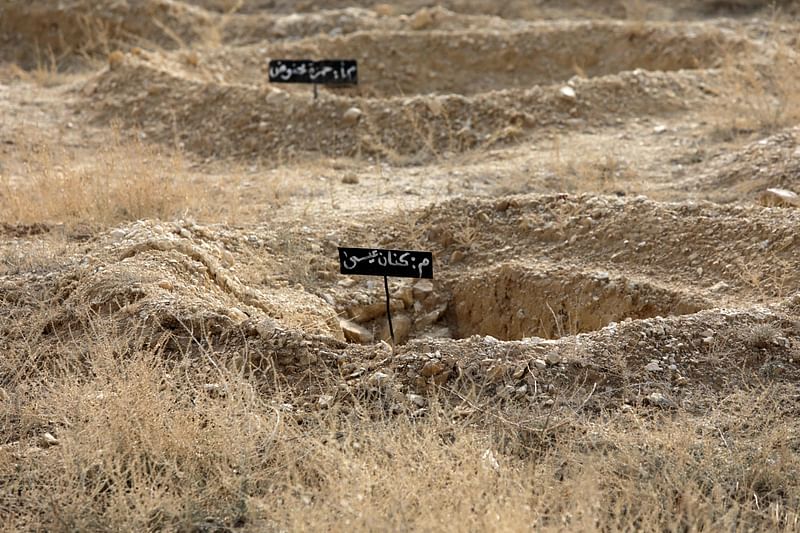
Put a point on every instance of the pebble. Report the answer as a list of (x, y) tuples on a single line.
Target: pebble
[(355, 333), (490, 461), (568, 93), (656, 398), (417, 399), (779, 198), (553, 358), (325, 401), (48, 440), (540, 364), (653, 366), (352, 116), (431, 368), (379, 379)]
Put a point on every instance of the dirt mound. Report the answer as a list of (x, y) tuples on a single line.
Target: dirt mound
[(217, 119), (771, 162), (49, 31), (173, 283)]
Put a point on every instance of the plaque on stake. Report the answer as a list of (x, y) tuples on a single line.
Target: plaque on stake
[(380, 262)]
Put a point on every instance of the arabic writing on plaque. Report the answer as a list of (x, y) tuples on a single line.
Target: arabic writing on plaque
[(331, 71), (394, 263)]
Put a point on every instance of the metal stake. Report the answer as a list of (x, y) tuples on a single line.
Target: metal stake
[(388, 308), (315, 92)]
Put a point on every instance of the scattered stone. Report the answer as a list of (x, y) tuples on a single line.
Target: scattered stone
[(379, 379), (384, 10), (365, 313), (215, 390), (48, 440), (355, 333), (237, 314), (422, 289), (421, 20), (567, 93), (406, 294), (432, 368), (660, 129), (352, 116), (719, 287), (115, 59), (490, 461), (417, 399), (779, 198), (325, 401), (350, 179), (457, 256), (540, 364), (658, 399), (653, 366), (553, 358), (402, 328), (496, 372)]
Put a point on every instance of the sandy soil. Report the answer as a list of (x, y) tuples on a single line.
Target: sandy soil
[(590, 177)]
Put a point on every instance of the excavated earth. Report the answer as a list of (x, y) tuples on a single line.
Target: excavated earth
[(595, 211)]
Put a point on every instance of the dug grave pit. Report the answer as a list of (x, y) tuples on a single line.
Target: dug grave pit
[(405, 63), (514, 301)]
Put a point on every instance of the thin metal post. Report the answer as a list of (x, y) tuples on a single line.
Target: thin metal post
[(388, 308), (315, 92)]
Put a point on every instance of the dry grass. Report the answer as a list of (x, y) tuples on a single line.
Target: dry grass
[(764, 93), (127, 180), (145, 445)]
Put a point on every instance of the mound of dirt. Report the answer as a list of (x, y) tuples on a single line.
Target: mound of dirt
[(46, 31)]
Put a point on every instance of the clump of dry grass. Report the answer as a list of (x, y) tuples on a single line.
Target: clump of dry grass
[(764, 90), (126, 180), (145, 444)]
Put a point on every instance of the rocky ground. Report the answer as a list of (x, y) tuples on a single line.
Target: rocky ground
[(607, 189)]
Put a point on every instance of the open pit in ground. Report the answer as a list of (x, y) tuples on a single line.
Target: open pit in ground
[(514, 301)]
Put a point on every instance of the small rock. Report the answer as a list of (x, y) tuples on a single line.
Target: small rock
[(457, 256), (237, 314), (660, 129), (402, 328), (552, 358), (779, 198), (432, 368), (421, 20), (355, 333), (653, 366), (658, 399), (719, 287), (384, 10), (567, 93), (48, 440), (325, 401), (490, 461), (417, 399), (496, 373), (423, 288), (540, 364), (350, 179), (352, 116), (378, 379)]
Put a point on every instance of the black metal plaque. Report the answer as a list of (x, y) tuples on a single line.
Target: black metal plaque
[(328, 72), (378, 262)]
